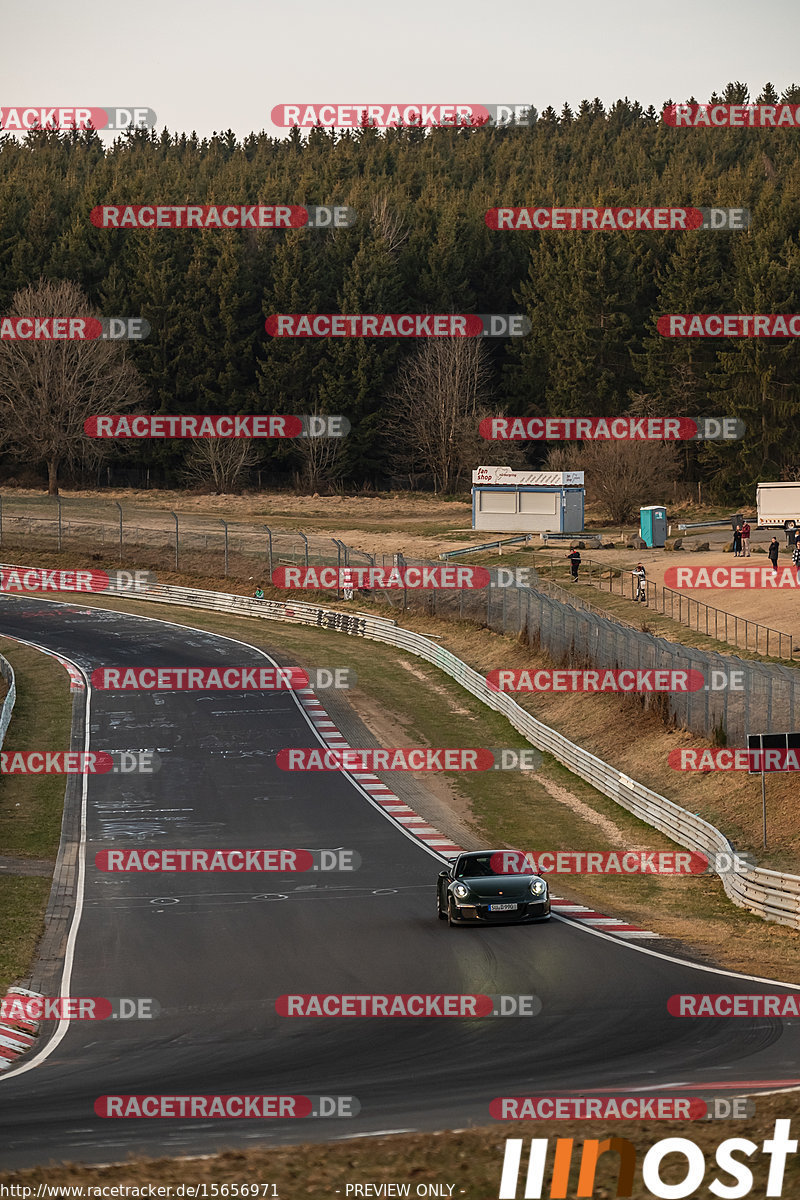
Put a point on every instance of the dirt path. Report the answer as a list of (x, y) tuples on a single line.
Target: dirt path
[(778, 608)]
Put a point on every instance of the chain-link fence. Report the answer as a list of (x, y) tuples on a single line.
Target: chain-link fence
[(162, 539), (740, 696), (695, 614), (761, 698)]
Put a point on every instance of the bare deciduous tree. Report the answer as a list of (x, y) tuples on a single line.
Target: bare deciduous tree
[(388, 225), (620, 476), (49, 388), (321, 460), (435, 410), (220, 462)]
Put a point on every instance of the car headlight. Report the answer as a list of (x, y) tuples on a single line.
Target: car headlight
[(461, 891), (538, 887)]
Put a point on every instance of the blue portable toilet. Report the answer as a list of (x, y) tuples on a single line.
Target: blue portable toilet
[(653, 526)]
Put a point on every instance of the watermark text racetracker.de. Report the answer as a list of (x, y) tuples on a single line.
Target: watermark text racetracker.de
[(222, 216), (782, 1005), (199, 679), (730, 758), (619, 1108), (612, 862), (230, 861), (64, 117), (395, 1004), (731, 578), (618, 679), (221, 679), (389, 116), (309, 425), (426, 758), (79, 762), (199, 1107), (614, 429), (17, 1007), (613, 219), (73, 329), (399, 325), (37, 579), (732, 325), (380, 578), (732, 116)]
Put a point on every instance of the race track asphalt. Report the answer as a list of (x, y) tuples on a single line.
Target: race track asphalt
[(215, 950)]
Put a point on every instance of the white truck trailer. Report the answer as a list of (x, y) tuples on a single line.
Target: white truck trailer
[(778, 505)]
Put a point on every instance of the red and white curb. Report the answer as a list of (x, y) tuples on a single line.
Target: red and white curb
[(17, 1036), (416, 825), (587, 916), (76, 683), (391, 803)]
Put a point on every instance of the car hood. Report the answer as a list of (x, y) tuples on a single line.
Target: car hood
[(512, 887)]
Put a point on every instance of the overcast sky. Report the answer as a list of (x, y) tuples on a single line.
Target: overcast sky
[(216, 66)]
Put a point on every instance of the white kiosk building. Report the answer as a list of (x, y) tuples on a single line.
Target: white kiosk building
[(527, 501)]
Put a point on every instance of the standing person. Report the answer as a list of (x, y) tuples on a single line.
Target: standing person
[(773, 552), (796, 558), (746, 539), (737, 541), (574, 557), (640, 575)]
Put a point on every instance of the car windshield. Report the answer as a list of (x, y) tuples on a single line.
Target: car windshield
[(499, 862)]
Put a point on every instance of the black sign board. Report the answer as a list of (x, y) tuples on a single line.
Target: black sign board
[(771, 741)]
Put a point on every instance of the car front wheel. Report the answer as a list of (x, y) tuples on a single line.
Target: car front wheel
[(451, 913), (441, 914)]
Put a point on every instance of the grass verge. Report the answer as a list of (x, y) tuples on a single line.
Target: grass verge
[(23, 902), (31, 806)]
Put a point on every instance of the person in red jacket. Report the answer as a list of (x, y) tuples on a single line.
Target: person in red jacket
[(746, 539)]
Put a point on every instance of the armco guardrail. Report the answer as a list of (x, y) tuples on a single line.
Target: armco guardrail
[(7, 672), (773, 895), (496, 545)]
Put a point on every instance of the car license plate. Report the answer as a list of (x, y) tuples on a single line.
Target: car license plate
[(501, 907)]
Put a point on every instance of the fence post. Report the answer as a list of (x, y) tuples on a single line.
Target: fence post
[(1, 520), (269, 550), (305, 540), (225, 526), (119, 506), (175, 519), (58, 502), (338, 546)]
